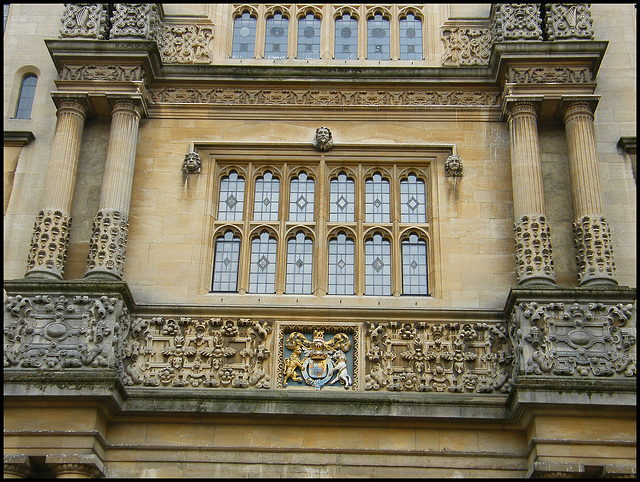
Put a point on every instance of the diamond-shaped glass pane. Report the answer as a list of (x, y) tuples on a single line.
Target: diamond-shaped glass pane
[(342, 203), (377, 203), (413, 203), (301, 202), (341, 264), (263, 262), (377, 264), (413, 265), (231, 201)]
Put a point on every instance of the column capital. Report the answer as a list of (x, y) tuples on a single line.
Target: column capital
[(134, 103), (514, 105), (76, 466), (17, 466), (78, 101), (578, 104)]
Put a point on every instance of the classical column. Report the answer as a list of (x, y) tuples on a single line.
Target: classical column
[(111, 223), (592, 236), (51, 231), (534, 262)]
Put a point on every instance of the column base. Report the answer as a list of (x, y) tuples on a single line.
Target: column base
[(100, 274), (44, 275)]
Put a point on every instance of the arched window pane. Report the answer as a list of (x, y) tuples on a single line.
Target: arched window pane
[(262, 274), (231, 198), (309, 37), (342, 199), (341, 262), (414, 266), (413, 206), (377, 200), (265, 207), (299, 264), (377, 259), (276, 37), (27, 93), (225, 266), (244, 37), (346, 46), (301, 199), (410, 38), (378, 38)]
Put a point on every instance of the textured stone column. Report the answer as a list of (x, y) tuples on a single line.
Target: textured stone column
[(534, 262), (592, 236), (111, 223), (50, 239)]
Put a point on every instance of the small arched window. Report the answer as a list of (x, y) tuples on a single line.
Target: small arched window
[(27, 93), (244, 36)]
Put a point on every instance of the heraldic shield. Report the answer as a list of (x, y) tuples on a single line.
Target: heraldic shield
[(317, 360)]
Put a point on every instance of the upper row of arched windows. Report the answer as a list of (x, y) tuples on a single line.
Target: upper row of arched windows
[(276, 39)]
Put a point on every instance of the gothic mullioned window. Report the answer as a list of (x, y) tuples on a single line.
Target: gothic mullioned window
[(262, 276), (299, 264), (265, 206), (244, 36), (309, 37), (346, 46), (231, 197), (412, 200), (341, 265), (378, 38), (227, 257), (377, 200), (342, 199), (410, 38), (276, 37), (301, 199), (377, 264), (414, 266)]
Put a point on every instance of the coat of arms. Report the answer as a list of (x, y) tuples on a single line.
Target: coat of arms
[(318, 360)]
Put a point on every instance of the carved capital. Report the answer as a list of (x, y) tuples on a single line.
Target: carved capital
[(17, 467), (69, 470), (108, 244), (133, 106), (75, 103), (521, 106), (594, 250), (48, 253), (572, 107), (534, 260)]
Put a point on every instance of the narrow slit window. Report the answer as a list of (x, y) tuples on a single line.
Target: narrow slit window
[(27, 94), (414, 266), (226, 261), (309, 37), (299, 264), (244, 37), (276, 37), (262, 275)]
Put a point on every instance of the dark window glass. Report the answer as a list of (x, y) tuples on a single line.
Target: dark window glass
[(276, 37), (378, 38), (346, 38), (414, 266), (225, 266), (410, 38), (309, 37), (27, 93), (244, 37)]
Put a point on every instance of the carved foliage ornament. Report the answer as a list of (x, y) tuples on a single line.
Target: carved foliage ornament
[(117, 73), (134, 20), (537, 75), (185, 44), (566, 21), (86, 20), (49, 242), (516, 21), (466, 46), (581, 340)]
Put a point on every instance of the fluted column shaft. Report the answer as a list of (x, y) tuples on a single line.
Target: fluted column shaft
[(534, 262), (111, 224), (50, 239), (592, 236)]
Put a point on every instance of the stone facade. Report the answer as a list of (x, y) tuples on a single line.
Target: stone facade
[(421, 265)]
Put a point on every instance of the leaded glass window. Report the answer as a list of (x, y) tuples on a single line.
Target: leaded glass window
[(309, 37), (265, 207), (301, 199), (27, 93), (225, 266), (410, 38), (244, 37), (377, 258), (262, 274), (413, 207), (299, 264), (378, 38), (342, 199), (346, 46), (377, 200), (341, 265), (414, 266), (276, 37), (231, 198)]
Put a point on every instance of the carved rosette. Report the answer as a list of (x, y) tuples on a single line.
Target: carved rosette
[(516, 22), (568, 21), (466, 46), (205, 353), (135, 20), (438, 357), (578, 340), (58, 331), (86, 20), (534, 258), (108, 243), (49, 243), (594, 250)]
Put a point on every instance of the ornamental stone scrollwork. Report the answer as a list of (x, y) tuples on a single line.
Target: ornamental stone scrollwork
[(49, 241), (189, 352), (577, 340), (192, 163), (108, 242), (516, 22), (440, 357), (465, 46), (134, 21), (116, 73), (185, 44), (594, 250), (538, 75), (323, 141), (568, 21), (58, 331), (533, 248), (88, 20)]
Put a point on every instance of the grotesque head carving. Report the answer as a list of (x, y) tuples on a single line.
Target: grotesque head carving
[(323, 140), (453, 167), (192, 163)]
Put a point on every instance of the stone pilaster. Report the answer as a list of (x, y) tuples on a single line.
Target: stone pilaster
[(111, 224), (594, 248), (534, 262), (50, 238)]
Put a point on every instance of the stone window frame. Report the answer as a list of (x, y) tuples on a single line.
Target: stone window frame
[(287, 161)]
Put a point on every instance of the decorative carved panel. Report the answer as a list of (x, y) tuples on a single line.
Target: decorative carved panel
[(465, 46), (516, 21), (594, 250), (185, 44), (534, 256), (134, 21), (86, 20), (108, 242), (118, 73), (49, 241), (568, 21), (538, 75)]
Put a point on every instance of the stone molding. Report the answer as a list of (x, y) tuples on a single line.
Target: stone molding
[(112, 73), (539, 75)]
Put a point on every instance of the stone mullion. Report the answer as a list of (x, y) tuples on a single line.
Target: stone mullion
[(594, 249), (396, 252), (321, 245), (359, 257), (110, 227), (245, 248), (534, 261), (51, 230), (283, 217)]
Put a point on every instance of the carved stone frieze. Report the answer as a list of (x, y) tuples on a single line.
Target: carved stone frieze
[(538, 75), (189, 352), (108, 242), (568, 21), (53, 332), (533, 248), (594, 250), (323, 97), (116, 73), (134, 21), (49, 242), (440, 357), (574, 340), (185, 44), (516, 21), (465, 46), (87, 20)]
